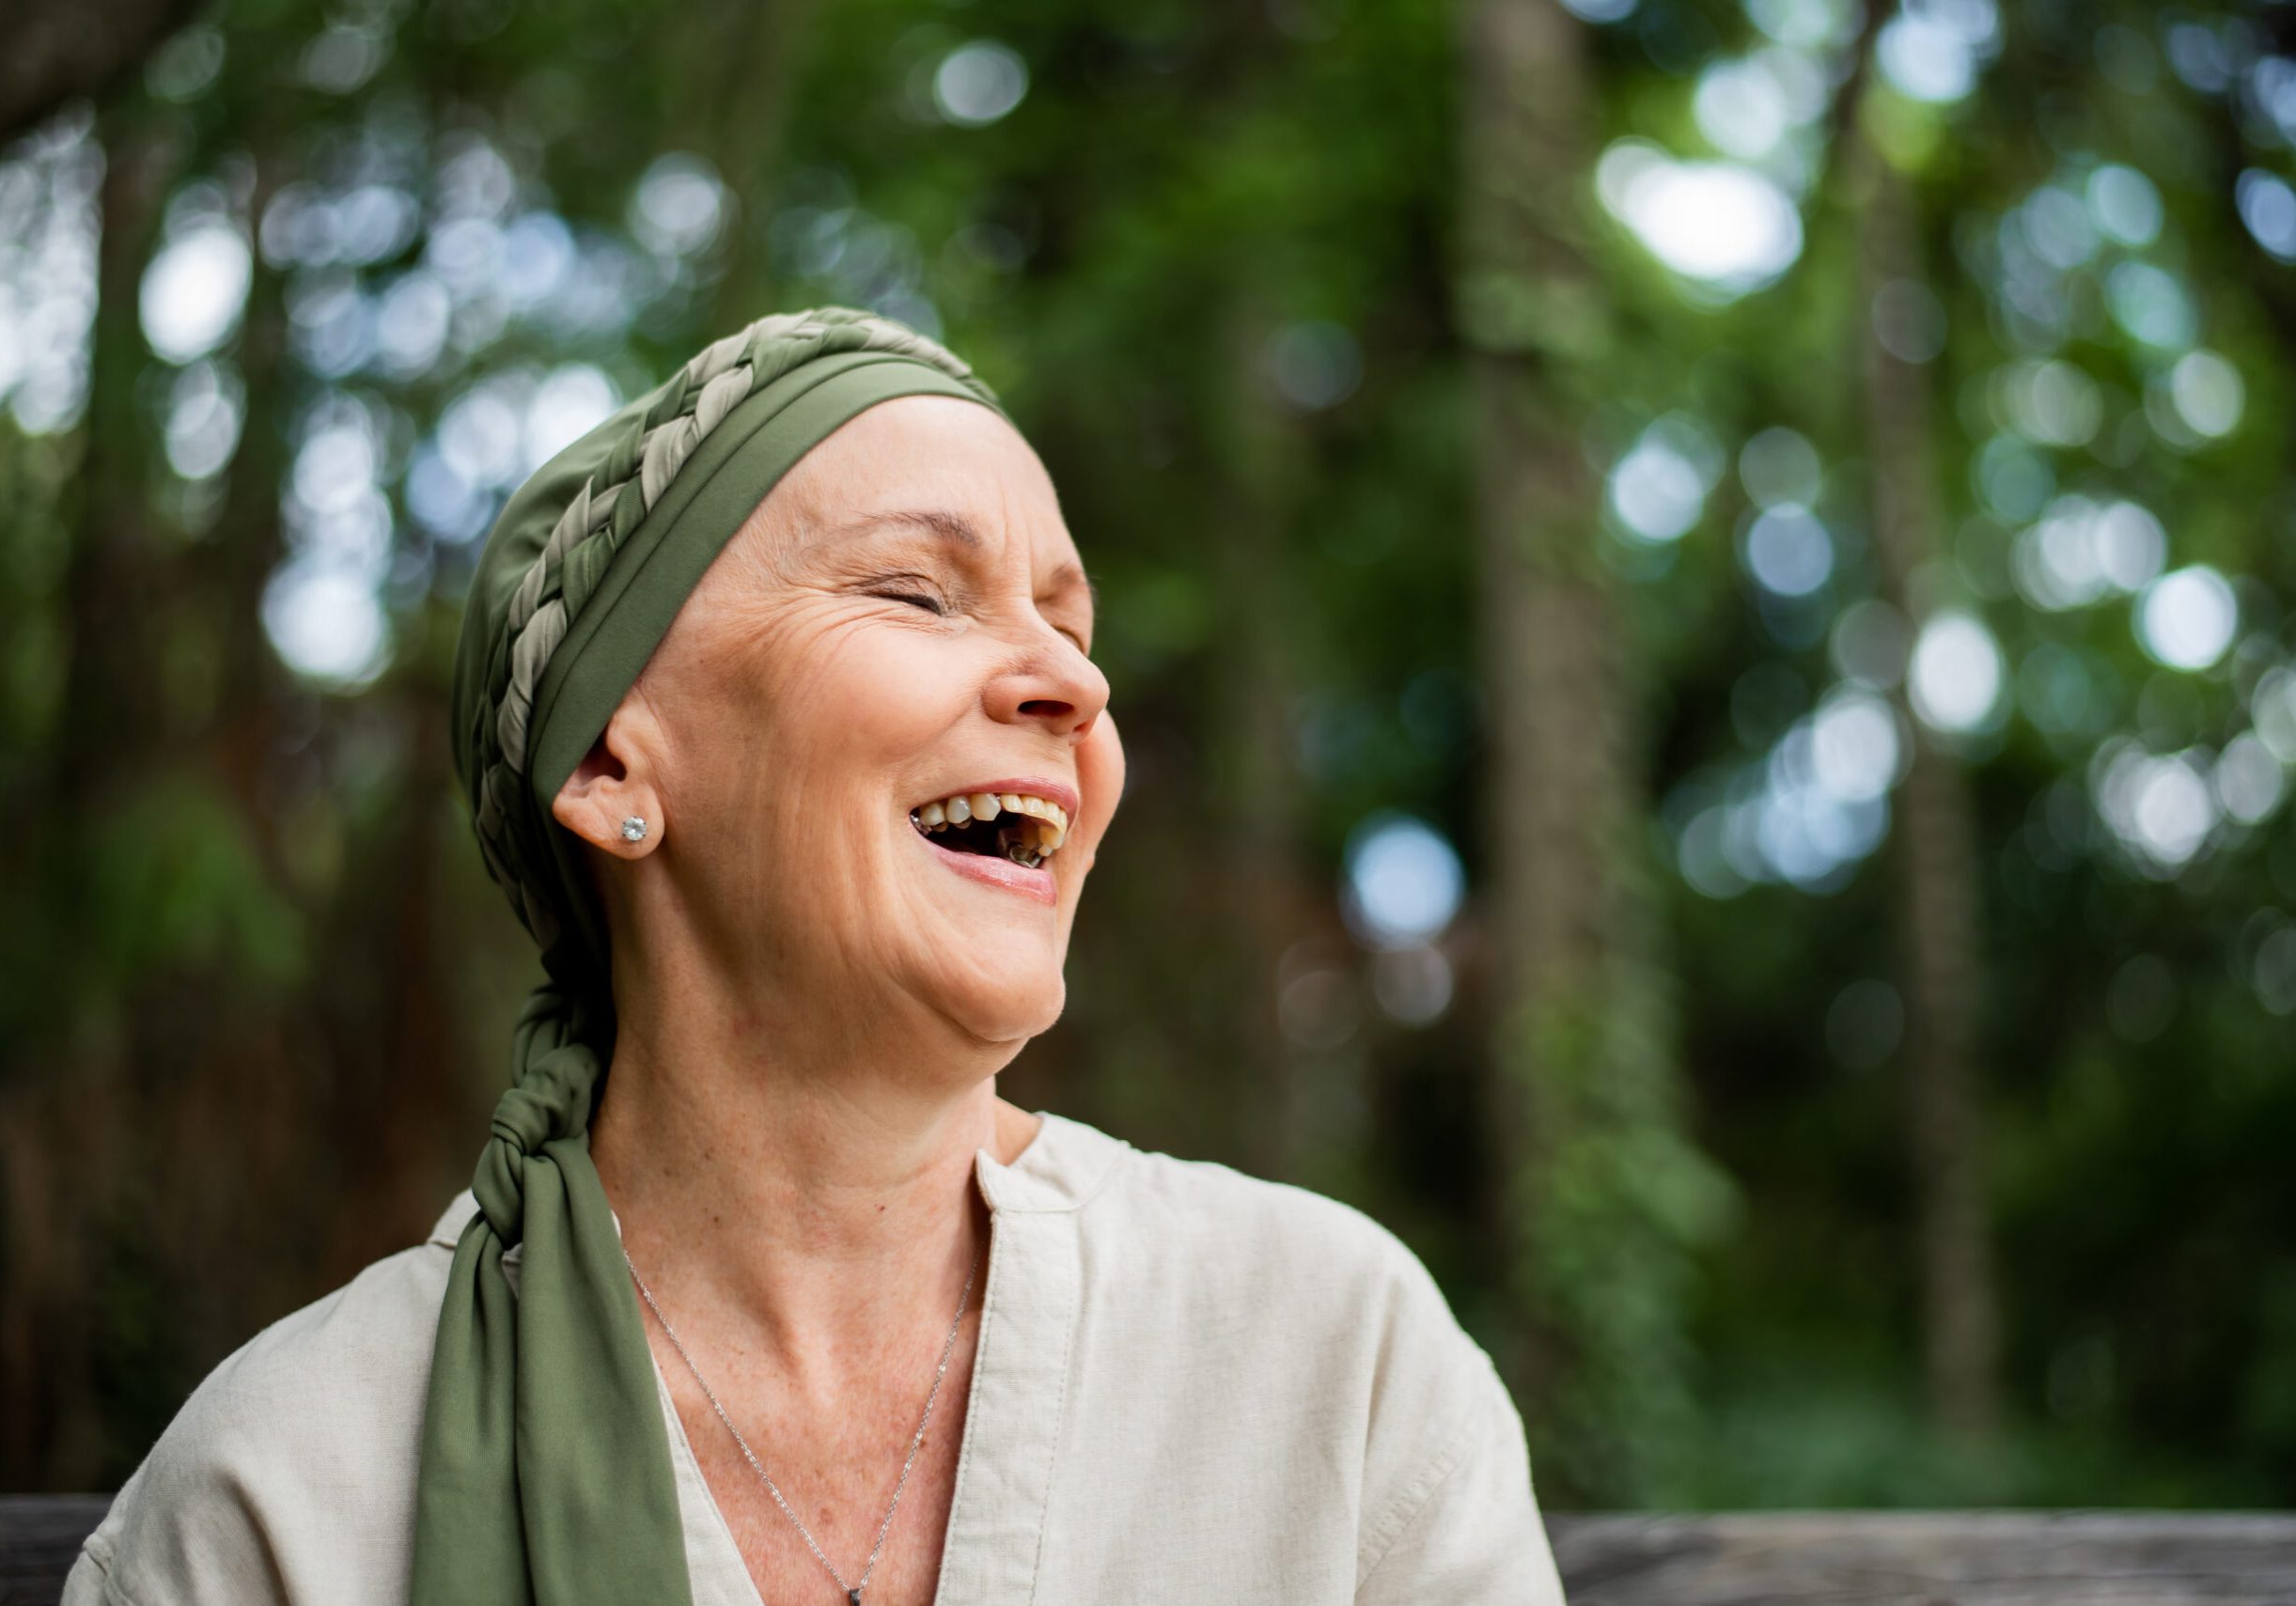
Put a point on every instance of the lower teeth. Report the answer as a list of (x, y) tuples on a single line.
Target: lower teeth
[(1018, 850), (1011, 842)]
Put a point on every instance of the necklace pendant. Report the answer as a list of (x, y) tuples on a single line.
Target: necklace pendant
[(852, 1598)]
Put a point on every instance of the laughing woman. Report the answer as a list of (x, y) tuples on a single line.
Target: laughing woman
[(778, 710)]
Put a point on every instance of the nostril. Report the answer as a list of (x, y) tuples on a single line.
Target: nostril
[(1048, 707)]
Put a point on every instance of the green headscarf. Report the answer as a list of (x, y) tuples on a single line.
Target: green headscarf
[(545, 1470)]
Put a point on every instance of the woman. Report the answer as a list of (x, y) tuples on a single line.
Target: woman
[(775, 703)]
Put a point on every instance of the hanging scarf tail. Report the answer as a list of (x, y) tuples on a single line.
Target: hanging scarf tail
[(513, 1386)]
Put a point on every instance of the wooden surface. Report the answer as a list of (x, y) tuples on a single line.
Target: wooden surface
[(40, 1534), (1823, 1558), (1846, 1558)]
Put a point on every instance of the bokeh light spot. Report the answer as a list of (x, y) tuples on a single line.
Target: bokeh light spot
[(2160, 807), (326, 624), (2268, 206), (1788, 551), (1855, 747), (2125, 204), (1404, 881), (566, 405), (1741, 108), (1657, 491), (2249, 778), (978, 83), (1933, 49), (2049, 402), (1412, 986), (2208, 392), (194, 290), (1955, 680), (2150, 303), (1724, 225), (679, 207), (2187, 618), (2080, 551), (206, 407), (1778, 464)]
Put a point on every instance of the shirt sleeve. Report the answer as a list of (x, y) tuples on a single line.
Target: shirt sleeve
[(1467, 1528), (178, 1534), (86, 1584)]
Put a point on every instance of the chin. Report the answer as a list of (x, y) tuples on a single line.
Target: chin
[(1001, 1011)]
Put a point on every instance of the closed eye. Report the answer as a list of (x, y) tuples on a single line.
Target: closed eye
[(916, 600)]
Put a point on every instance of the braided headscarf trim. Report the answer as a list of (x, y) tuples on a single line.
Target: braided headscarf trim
[(611, 503)]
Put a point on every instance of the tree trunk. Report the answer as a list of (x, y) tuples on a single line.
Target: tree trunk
[(1601, 1196), (59, 49), (1255, 673), (65, 1137), (1934, 858)]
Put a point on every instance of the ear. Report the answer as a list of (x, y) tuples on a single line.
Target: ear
[(618, 778)]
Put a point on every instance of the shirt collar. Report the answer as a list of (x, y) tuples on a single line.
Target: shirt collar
[(1064, 1165)]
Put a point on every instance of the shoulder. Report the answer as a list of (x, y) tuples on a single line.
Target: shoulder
[(1148, 1201), (293, 1460), (1319, 1291), (1226, 1300), (1314, 1258), (1235, 1218)]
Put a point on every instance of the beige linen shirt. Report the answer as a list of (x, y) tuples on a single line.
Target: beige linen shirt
[(1191, 1386)]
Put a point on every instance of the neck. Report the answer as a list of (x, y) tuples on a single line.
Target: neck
[(811, 1191)]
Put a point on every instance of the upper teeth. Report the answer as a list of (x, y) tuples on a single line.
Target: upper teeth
[(1043, 823)]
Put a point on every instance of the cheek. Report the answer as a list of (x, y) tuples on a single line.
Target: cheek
[(880, 708), (833, 704), (790, 776)]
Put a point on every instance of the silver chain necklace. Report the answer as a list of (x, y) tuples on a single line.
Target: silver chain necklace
[(853, 1591)]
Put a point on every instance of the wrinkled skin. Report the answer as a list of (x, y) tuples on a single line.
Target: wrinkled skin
[(808, 697)]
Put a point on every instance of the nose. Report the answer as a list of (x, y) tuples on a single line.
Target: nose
[(1054, 688)]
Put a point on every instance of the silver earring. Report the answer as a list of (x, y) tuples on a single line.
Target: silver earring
[(633, 829)]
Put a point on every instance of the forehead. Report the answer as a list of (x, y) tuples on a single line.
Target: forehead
[(927, 452)]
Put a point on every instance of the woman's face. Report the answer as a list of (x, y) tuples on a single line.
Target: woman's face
[(903, 622)]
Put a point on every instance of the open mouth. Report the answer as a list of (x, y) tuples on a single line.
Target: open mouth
[(1018, 826)]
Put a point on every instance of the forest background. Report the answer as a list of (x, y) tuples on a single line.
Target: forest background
[(1699, 595)]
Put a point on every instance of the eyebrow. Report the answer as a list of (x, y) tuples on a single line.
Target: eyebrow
[(958, 530), (954, 528)]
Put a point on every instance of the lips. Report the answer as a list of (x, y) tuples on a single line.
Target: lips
[(1028, 880), (1022, 820)]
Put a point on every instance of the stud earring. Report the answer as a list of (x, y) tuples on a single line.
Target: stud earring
[(633, 829)]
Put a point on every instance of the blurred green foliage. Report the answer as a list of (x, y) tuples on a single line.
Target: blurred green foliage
[(285, 312)]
